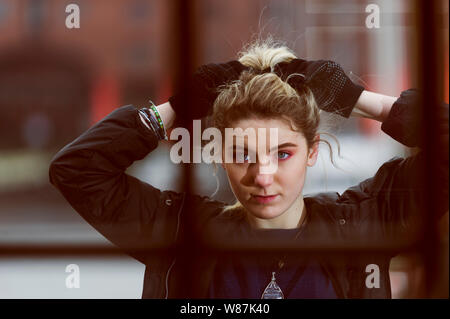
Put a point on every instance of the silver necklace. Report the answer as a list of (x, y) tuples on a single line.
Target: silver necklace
[(273, 290)]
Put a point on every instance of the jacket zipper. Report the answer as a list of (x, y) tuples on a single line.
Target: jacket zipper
[(176, 236), (167, 278)]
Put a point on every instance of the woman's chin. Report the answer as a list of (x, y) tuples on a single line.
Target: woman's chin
[(264, 212)]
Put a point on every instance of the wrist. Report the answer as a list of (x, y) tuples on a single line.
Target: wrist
[(167, 114), (373, 106)]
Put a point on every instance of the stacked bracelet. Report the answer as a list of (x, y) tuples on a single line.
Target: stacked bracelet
[(156, 125), (158, 117), (147, 117)]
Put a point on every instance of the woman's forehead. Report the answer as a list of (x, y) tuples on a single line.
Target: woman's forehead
[(261, 128), (257, 135)]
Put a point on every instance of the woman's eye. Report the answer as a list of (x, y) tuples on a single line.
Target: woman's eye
[(283, 155)]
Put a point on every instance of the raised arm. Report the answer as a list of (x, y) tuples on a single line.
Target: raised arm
[(90, 174), (393, 198), (398, 189), (90, 171)]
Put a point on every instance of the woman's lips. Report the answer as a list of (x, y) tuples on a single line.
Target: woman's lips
[(264, 199)]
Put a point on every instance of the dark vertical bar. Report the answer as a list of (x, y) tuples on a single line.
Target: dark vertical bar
[(184, 62), (430, 81), (35, 17)]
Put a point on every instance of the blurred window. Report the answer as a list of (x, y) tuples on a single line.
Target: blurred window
[(137, 55), (139, 10), (4, 8), (35, 15)]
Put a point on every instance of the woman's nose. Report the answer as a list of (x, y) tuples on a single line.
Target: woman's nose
[(263, 180)]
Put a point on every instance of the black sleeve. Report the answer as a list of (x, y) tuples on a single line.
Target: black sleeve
[(397, 191), (90, 174)]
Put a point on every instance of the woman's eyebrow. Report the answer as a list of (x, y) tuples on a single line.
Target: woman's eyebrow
[(288, 144), (284, 145)]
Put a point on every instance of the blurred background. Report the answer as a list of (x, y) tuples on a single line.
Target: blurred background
[(55, 82)]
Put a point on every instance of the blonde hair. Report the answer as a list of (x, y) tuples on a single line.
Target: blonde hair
[(265, 54), (261, 93)]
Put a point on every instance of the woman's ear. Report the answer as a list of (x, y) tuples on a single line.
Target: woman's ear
[(313, 151)]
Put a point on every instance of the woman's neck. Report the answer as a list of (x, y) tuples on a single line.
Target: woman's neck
[(292, 218)]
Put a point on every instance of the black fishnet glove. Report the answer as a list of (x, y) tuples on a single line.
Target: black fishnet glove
[(333, 90), (203, 85)]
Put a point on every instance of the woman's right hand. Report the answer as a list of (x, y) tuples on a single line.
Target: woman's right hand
[(202, 87)]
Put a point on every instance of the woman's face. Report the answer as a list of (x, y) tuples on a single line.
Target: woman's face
[(269, 195)]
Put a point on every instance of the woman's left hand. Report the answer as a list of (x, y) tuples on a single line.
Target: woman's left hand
[(332, 88)]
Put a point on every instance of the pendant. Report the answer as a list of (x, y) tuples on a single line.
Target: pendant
[(272, 291)]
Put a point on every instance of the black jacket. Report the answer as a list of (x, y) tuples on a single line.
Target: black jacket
[(90, 173)]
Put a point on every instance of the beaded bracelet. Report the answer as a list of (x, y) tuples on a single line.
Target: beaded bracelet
[(158, 117)]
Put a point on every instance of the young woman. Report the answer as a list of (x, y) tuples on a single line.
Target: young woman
[(267, 88)]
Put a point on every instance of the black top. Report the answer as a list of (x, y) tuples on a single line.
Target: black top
[(300, 276)]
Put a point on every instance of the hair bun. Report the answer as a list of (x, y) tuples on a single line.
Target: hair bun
[(266, 70)]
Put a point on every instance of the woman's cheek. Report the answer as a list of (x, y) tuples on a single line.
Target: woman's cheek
[(292, 175), (235, 175)]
